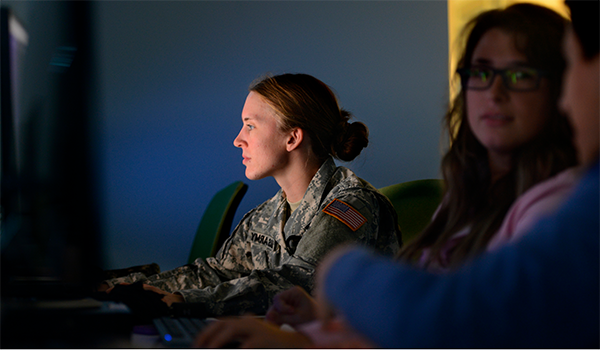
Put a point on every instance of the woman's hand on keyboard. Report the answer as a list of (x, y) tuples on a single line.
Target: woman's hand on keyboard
[(168, 298)]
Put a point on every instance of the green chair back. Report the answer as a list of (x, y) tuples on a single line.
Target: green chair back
[(415, 202), (216, 221)]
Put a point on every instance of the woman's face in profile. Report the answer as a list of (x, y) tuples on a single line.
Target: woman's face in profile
[(262, 142), (502, 119)]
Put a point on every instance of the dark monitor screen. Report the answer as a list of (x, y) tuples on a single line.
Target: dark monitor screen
[(14, 42), (50, 225)]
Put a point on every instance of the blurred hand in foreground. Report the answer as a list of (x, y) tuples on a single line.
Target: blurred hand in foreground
[(250, 332), (325, 312), (293, 307)]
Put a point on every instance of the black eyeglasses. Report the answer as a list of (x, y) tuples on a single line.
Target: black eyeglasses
[(515, 79)]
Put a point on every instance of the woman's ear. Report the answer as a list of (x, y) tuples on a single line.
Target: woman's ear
[(295, 138)]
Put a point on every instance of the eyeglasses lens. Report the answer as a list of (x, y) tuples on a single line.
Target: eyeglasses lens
[(518, 79)]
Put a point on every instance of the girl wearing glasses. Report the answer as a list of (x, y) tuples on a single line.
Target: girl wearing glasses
[(507, 136), (509, 147)]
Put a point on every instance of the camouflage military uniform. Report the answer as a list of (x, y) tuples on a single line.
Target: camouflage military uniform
[(271, 250)]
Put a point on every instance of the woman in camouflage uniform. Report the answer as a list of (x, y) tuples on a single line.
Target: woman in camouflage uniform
[(292, 129)]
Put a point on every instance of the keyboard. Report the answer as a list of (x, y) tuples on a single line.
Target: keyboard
[(179, 332)]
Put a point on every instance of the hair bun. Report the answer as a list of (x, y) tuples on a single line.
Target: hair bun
[(351, 140)]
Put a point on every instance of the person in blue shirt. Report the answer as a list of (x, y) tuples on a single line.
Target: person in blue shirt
[(542, 291)]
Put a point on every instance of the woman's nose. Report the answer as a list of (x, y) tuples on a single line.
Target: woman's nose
[(498, 90), (237, 142)]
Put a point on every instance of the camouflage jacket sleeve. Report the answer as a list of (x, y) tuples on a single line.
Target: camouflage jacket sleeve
[(326, 231), (204, 272)]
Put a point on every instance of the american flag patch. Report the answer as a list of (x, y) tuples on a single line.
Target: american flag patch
[(345, 214)]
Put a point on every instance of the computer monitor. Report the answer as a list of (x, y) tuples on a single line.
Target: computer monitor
[(50, 224), (14, 40)]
